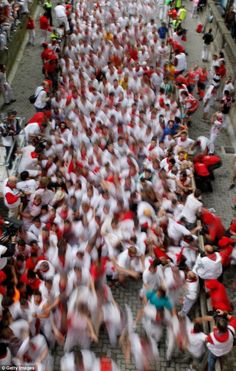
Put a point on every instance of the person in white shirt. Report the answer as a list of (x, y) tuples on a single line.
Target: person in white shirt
[(61, 17), (26, 185), (41, 97), (151, 280), (192, 207), (176, 231), (209, 264), (217, 124), (196, 344), (191, 288), (208, 101)]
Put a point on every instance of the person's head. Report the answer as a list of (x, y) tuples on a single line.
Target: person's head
[(37, 297), (191, 275), (37, 200), (43, 183), (21, 245), (48, 284), (210, 30), (153, 266), (11, 115), (44, 267), (161, 292), (197, 328), (12, 180), (132, 251), (222, 324), (197, 193), (24, 175), (227, 93), (209, 249), (24, 303), (37, 222)]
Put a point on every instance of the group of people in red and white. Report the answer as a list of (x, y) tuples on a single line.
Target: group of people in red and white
[(106, 196)]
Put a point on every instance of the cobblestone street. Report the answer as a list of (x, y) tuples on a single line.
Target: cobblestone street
[(29, 75)]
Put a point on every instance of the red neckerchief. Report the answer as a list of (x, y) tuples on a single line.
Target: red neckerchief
[(212, 256), (64, 214), (221, 337), (62, 259), (47, 166)]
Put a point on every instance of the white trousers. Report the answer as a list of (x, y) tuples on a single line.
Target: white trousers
[(213, 137), (7, 93), (205, 52), (64, 21), (32, 37)]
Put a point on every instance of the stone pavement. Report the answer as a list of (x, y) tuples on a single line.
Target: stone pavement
[(29, 76)]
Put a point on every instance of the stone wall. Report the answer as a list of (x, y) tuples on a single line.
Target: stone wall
[(9, 56), (224, 41)]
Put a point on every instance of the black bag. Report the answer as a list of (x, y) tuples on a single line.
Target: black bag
[(32, 99)]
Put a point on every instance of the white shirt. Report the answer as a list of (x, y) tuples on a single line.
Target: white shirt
[(41, 96), (176, 231), (207, 268), (27, 186), (32, 129), (196, 341), (191, 208), (60, 11)]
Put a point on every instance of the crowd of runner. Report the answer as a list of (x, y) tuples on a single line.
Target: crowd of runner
[(105, 194)]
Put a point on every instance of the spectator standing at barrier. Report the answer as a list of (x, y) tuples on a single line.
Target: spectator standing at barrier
[(5, 87), (9, 131), (44, 26), (48, 10), (12, 196), (220, 341), (41, 97), (207, 40), (31, 30), (61, 17)]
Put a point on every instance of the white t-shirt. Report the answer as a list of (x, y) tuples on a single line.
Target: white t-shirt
[(196, 341), (176, 231), (41, 95), (60, 11), (191, 208), (207, 268), (27, 161), (28, 186), (31, 129)]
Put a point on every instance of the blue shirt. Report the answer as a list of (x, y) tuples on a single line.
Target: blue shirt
[(162, 31), (159, 303)]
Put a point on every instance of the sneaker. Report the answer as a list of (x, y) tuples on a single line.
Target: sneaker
[(13, 101), (231, 186)]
